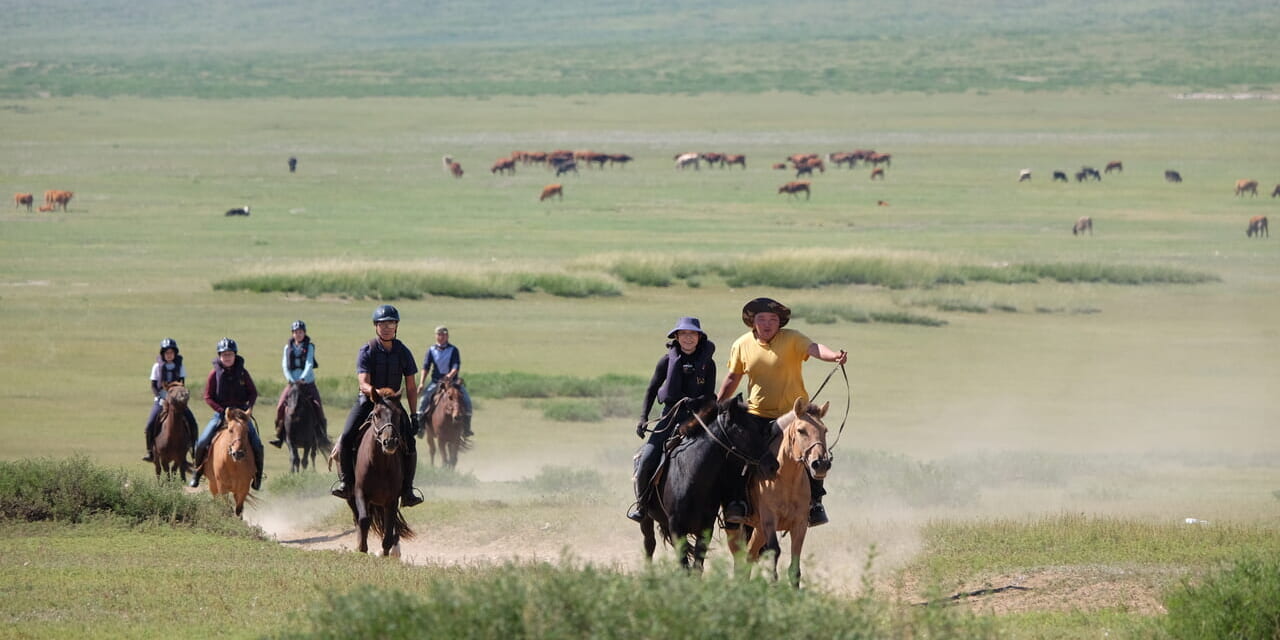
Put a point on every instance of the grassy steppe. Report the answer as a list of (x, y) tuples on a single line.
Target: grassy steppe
[(1142, 403)]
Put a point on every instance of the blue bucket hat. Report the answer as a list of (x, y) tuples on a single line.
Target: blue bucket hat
[(687, 324)]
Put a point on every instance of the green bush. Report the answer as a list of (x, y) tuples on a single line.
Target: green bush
[(556, 480), (1240, 601), (573, 411), (75, 490)]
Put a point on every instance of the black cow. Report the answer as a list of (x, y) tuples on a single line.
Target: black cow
[(293, 164), (239, 211), (1172, 176), (1060, 176)]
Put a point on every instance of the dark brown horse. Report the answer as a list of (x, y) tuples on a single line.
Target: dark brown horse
[(446, 424), (230, 466), (1258, 225), (695, 478), (175, 436), (302, 428), (375, 502)]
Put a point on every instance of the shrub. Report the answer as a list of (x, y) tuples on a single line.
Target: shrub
[(1239, 601)]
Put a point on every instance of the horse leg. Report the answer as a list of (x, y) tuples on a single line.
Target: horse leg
[(390, 529), (362, 522), (797, 545), (431, 443), (700, 549), (295, 463), (738, 547), (650, 541), (774, 550)]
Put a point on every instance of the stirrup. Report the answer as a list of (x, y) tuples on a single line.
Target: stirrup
[(635, 514), (148, 457), (410, 498), (735, 512), (817, 514), (341, 490), (275, 443)]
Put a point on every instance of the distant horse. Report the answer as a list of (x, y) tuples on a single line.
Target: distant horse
[(1114, 165), (375, 502), (1024, 175), (175, 436), (552, 190), (782, 502), (446, 424), (1172, 176), (1258, 225), (230, 466), (302, 429), (695, 479), (1243, 186), (1085, 223), (792, 188)]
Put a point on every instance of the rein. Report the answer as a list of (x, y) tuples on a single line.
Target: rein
[(729, 448), (848, 391)]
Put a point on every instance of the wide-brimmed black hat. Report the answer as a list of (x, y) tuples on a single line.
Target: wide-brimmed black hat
[(766, 305), (687, 324)]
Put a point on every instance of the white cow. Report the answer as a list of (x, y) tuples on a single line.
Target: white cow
[(685, 159), (1024, 175)]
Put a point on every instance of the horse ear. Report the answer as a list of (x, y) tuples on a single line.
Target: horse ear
[(799, 406), (822, 411)]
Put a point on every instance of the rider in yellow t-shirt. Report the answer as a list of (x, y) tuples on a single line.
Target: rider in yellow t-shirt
[(771, 357)]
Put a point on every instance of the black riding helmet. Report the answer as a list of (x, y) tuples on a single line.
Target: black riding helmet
[(298, 324), (385, 313), (227, 344), (765, 305), (169, 343)]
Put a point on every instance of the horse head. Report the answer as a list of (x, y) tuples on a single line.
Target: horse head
[(747, 440), (238, 428), (806, 439), (384, 420), (176, 395)]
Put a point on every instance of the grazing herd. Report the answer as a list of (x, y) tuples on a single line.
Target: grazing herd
[(53, 200)]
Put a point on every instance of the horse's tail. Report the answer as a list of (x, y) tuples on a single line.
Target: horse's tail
[(376, 513)]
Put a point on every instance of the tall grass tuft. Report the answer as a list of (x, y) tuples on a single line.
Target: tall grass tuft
[(560, 482), (412, 284), (830, 313), (518, 384), (545, 601), (1239, 601), (75, 490)]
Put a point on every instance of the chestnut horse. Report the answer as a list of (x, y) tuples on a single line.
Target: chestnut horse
[(782, 502), (375, 501), (445, 424), (175, 436), (1258, 225), (302, 429), (230, 466)]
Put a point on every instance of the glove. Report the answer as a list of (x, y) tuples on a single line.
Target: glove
[(640, 429), (413, 420)]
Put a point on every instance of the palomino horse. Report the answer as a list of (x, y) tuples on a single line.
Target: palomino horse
[(691, 485), (782, 502), (302, 428), (175, 436), (446, 424), (375, 501), (230, 466)]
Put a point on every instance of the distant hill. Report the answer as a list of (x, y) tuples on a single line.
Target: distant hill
[(301, 48)]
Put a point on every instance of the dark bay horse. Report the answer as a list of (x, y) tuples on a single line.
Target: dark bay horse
[(175, 435), (782, 502), (375, 502), (302, 428), (696, 478), (446, 423), (230, 466)]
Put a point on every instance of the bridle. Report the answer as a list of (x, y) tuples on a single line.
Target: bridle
[(848, 394)]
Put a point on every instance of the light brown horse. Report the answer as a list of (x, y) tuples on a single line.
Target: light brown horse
[(446, 424), (1258, 225), (792, 188), (1085, 223), (175, 437), (375, 501), (552, 190), (230, 466), (1244, 185), (782, 501)]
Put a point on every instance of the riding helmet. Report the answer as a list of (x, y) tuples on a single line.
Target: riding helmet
[(298, 324), (227, 344), (169, 343), (765, 305), (386, 312)]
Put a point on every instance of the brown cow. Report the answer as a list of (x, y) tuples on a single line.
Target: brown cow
[(59, 199), (455, 169), (732, 159), (503, 165), (842, 157), (1085, 223), (552, 190), (1114, 165), (807, 165), (1274, 194), (792, 188), (45, 208), (1258, 225), (1246, 185), (881, 203), (619, 158), (779, 166), (20, 199), (711, 157), (880, 158), (877, 172)]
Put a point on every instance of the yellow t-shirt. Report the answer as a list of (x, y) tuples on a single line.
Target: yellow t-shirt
[(773, 370)]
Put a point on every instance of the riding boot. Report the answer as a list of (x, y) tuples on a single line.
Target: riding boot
[(257, 476), (736, 508), (151, 443), (466, 426), (646, 464), (201, 453), (346, 474), (817, 513), (407, 496)]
